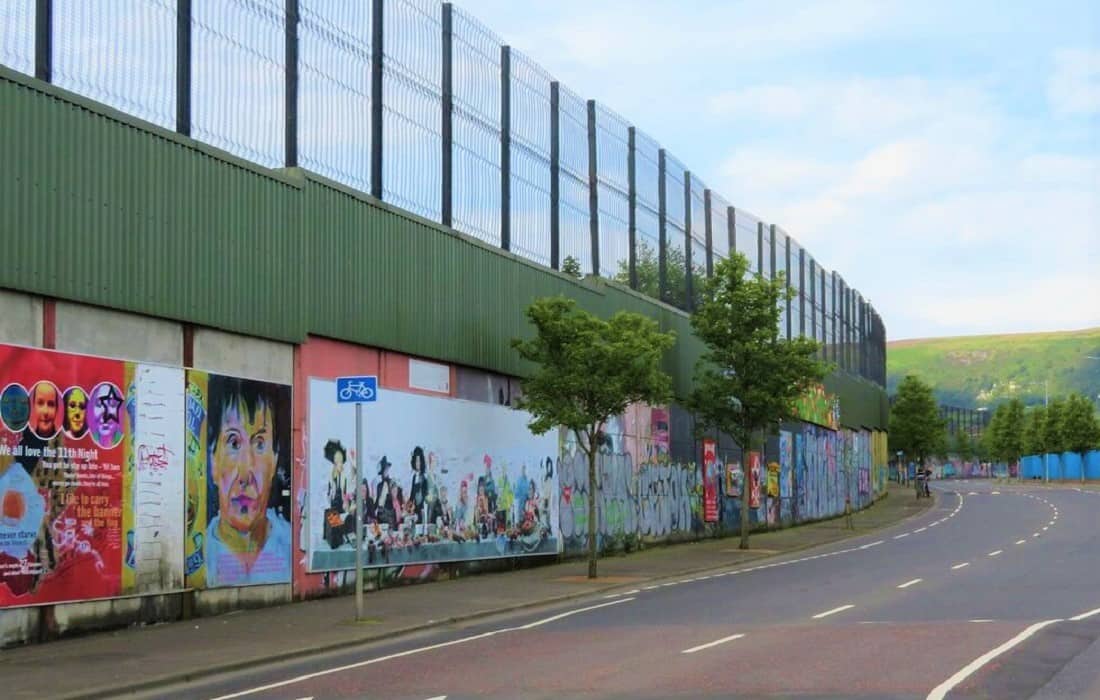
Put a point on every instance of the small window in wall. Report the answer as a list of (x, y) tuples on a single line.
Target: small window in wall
[(429, 376)]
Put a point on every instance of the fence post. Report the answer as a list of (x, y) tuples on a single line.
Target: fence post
[(662, 231), (789, 277), (183, 67), (689, 261), (731, 223), (376, 38), (708, 225), (632, 205), (506, 147), (555, 175), (291, 95), (593, 189), (43, 40), (446, 207), (760, 247)]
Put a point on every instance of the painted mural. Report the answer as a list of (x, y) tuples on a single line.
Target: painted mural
[(819, 407), (90, 469), (238, 481), (443, 480)]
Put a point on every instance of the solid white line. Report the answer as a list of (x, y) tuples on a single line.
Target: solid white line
[(632, 592), (911, 583), (898, 537), (995, 552), (1085, 616), (437, 697), (650, 588), (842, 608), (941, 690), (981, 620), (1020, 541), (959, 566), (410, 652), (715, 643)]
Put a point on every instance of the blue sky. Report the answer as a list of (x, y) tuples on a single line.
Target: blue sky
[(944, 157)]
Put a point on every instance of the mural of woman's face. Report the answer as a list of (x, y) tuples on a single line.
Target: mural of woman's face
[(106, 414), (338, 460), (244, 462), (76, 411)]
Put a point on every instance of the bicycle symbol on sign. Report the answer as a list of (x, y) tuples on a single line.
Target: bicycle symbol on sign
[(356, 390)]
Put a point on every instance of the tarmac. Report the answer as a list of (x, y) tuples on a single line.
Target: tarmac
[(113, 664)]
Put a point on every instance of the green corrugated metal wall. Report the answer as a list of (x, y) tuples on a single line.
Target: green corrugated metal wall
[(101, 208)]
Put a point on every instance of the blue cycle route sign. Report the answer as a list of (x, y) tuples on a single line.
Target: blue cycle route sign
[(357, 389)]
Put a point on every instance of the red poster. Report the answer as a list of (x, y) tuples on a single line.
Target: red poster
[(754, 479), (61, 456), (710, 481)]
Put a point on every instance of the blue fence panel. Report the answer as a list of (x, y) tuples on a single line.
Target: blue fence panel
[(1071, 466), (1092, 465)]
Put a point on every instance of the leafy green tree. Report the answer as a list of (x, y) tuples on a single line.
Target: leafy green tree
[(647, 266), (1053, 442), (964, 447), (571, 266), (1080, 429), (748, 378), (587, 370), (1033, 431), (916, 427), (1007, 432)]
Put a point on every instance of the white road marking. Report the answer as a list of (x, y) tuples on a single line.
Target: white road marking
[(650, 588), (921, 529), (1046, 528), (911, 583), (437, 697), (1035, 535), (632, 592), (715, 643), (959, 566), (904, 534), (996, 493), (995, 552), (612, 595), (553, 618), (941, 690), (666, 585), (703, 578), (1020, 541), (981, 620), (873, 544), (1085, 616), (842, 608)]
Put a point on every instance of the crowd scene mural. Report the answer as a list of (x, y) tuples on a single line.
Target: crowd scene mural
[(120, 478)]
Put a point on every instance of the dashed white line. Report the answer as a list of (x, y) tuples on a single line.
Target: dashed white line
[(873, 544), (959, 566), (1035, 534), (632, 592), (982, 620), (1085, 616), (834, 611), (911, 583), (715, 643), (995, 552), (898, 537), (1020, 541), (1046, 528), (920, 530)]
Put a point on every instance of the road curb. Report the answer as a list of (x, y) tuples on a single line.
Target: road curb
[(344, 645)]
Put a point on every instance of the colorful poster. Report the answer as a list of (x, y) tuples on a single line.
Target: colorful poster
[(79, 439), (238, 481), (444, 480), (734, 475), (754, 480), (710, 481)]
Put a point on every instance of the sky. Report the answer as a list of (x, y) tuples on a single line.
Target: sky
[(944, 157)]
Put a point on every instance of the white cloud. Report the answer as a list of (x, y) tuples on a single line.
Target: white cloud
[(1074, 85)]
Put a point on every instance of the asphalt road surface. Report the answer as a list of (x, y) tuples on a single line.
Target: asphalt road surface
[(988, 595)]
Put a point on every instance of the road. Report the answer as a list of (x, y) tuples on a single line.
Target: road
[(987, 595)]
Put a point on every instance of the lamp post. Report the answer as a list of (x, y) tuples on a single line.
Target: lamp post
[(901, 479)]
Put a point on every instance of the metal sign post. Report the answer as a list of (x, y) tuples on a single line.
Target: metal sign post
[(358, 390)]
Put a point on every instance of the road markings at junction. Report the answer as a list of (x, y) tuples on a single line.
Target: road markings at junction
[(995, 552), (982, 620), (941, 690), (834, 611), (911, 583), (959, 566), (569, 613), (1020, 541), (715, 643), (873, 544), (1085, 616), (1035, 534)]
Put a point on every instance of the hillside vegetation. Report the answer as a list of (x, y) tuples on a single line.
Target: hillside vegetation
[(983, 370)]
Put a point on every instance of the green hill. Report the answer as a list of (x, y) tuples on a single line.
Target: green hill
[(983, 370)]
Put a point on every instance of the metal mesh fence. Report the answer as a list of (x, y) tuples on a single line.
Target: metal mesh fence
[(476, 71), (124, 53), (576, 236), (530, 155), (612, 155), (237, 69), (412, 142), (17, 35), (121, 53), (334, 90)]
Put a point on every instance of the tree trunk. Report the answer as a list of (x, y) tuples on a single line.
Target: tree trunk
[(593, 491), (745, 478)]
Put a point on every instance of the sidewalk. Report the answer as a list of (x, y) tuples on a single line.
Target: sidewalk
[(111, 663)]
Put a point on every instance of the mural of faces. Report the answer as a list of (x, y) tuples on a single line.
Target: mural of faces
[(105, 418), (15, 407), (45, 414), (243, 463), (76, 412)]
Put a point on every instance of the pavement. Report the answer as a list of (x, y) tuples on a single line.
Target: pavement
[(149, 659)]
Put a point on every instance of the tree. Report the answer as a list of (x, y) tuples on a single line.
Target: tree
[(916, 427), (647, 267), (1033, 431), (1080, 429), (587, 370), (748, 378), (1007, 432), (1052, 430), (964, 448), (572, 267)]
